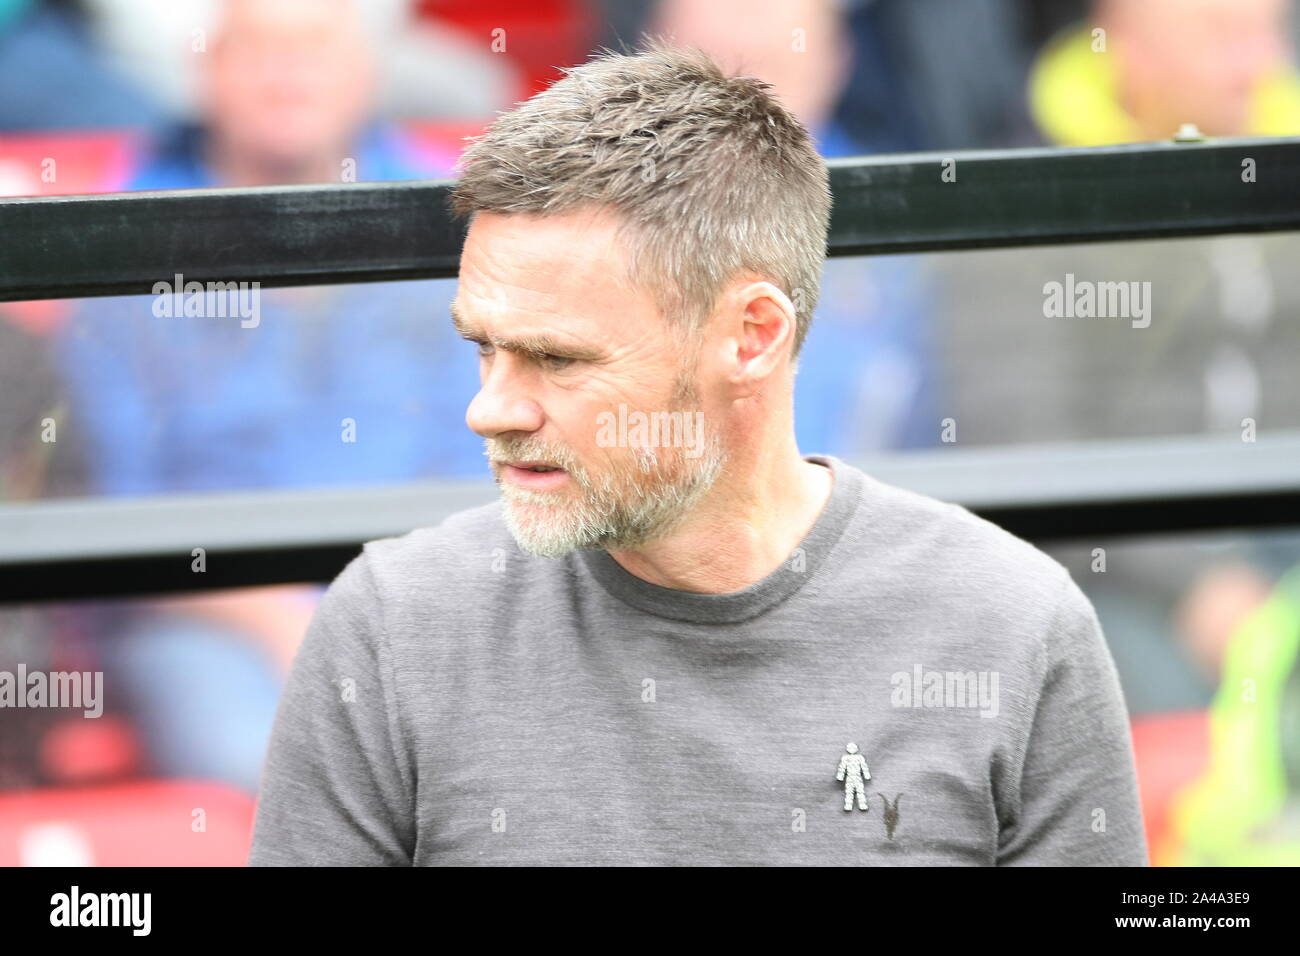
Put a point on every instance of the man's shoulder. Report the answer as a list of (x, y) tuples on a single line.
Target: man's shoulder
[(464, 565), (958, 553), (452, 542)]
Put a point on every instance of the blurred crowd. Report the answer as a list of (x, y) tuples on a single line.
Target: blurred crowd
[(124, 95)]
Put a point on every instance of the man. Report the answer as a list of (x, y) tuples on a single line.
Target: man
[(657, 647)]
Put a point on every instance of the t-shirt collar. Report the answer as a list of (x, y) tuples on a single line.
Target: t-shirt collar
[(799, 567)]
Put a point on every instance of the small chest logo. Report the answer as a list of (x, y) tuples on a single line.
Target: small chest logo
[(855, 774)]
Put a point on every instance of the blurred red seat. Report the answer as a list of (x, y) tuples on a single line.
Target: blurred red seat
[(1170, 750), (142, 823), (65, 163), (543, 34)]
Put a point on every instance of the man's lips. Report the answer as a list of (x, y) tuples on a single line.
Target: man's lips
[(521, 474)]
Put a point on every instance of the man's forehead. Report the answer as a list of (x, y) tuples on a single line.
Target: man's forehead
[(515, 266), (559, 249), (483, 307)]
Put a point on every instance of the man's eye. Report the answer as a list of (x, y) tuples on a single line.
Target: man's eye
[(484, 349), (558, 361)]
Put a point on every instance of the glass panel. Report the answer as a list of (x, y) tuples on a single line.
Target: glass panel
[(354, 384), (1060, 343), (1055, 343)]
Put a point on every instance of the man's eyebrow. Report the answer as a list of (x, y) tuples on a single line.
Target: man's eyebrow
[(462, 327), (537, 345)]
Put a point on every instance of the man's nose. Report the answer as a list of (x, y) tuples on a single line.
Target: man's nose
[(502, 404)]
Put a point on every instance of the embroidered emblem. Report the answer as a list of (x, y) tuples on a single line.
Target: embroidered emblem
[(891, 814), (853, 771)]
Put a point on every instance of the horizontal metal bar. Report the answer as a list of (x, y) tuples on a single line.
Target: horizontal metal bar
[(74, 548), (124, 243), (1042, 196)]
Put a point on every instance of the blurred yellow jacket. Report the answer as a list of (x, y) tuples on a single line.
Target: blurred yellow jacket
[(1245, 809), (1074, 100)]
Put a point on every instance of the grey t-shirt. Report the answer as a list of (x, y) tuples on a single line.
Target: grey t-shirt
[(457, 700)]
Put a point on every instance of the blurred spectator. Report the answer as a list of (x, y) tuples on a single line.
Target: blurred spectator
[(922, 74), (423, 69), (187, 403), (865, 381), (1214, 605), (801, 47), (933, 74), (1245, 809), (31, 418), (33, 462), (46, 53), (1225, 65)]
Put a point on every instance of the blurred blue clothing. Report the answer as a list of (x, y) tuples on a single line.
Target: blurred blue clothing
[(46, 54), (203, 697), (174, 404), (866, 379), (833, 142), (185, 403), (876, 106), (176, 161)]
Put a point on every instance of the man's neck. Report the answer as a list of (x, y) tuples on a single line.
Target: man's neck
[(742, 532)]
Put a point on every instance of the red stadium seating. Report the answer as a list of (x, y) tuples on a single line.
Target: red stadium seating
[(543, 34), (146, 823), (1170, 750)]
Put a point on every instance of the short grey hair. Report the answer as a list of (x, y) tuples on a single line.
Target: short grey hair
[(710, 173)]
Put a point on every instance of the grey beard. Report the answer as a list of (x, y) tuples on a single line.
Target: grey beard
[(609, 518)]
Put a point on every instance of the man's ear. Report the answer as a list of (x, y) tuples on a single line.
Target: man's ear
[(765, 326)]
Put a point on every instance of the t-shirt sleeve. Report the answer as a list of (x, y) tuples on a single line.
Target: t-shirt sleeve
[(337, 788), (1076, 803)]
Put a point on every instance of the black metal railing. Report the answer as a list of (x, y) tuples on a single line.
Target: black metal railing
[(122, 243)]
